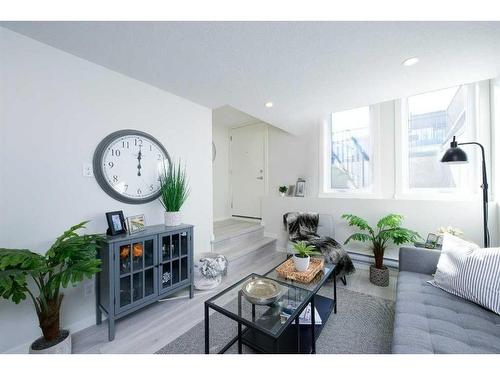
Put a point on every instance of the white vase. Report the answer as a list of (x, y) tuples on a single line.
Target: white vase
[(173, 219), (63, 347), (301, 264)]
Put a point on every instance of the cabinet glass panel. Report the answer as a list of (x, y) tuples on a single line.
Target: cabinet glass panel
[(125, 259), (125, 297), (148, 253), (166, 275), (166, 248), (184, 268), (137, 256), (138, 285), (175, 271), (149, 287), (176, 244), (184, 243)]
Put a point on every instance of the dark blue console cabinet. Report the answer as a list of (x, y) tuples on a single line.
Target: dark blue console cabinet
[(141, 268)]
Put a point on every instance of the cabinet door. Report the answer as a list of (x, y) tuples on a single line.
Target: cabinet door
[(136, 272), (173, 268)]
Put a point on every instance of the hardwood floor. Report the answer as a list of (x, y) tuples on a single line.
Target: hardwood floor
[(155, 326)]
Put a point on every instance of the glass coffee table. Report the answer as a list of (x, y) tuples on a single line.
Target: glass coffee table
[(276, 328)]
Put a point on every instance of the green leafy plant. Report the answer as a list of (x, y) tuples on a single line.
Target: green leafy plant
[(283, 189), (68, 261), (303, 250), (174, 188), (388, 230)]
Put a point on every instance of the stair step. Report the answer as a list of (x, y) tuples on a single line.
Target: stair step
[(239, 251), (241, 239), (236, 232)]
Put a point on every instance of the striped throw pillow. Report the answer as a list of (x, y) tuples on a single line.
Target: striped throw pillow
[(469, 272)]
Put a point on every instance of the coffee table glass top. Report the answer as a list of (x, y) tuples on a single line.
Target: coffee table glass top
[(312, 286), (271, 319)]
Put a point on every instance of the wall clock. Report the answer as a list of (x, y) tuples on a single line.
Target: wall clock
[(127, 165)]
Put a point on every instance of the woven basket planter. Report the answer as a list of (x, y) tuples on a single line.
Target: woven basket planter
[(379, 276)]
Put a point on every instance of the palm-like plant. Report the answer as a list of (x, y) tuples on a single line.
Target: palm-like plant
[(174, 188), (388, 230), (68, 261)]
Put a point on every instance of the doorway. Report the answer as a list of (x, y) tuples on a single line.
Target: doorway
[(248, 169)]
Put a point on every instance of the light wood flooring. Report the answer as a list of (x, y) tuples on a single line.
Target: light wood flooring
[(155, 326)]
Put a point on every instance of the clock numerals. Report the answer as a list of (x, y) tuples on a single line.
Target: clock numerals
[(111, 164), (160, 157), (125, 144), (151, 187), (115, 152), (115, 178), (138, 142), (139, 191), (125, 187)]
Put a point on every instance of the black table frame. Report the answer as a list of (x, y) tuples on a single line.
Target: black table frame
[(275, 337)]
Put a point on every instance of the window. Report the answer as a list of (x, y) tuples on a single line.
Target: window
[(350, 152), (429, 123)]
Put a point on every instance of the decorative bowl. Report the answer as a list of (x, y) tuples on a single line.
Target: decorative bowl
[(261, 291)]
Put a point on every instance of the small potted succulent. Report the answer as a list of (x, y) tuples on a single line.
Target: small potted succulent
[(68, 261), (174, 192), (283, 189), (302, 256), (388, 230)]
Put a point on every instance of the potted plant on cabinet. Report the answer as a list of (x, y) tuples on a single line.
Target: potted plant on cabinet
[(302, 256), (283, 189), (174, 192), (388, 230), (68, 261)]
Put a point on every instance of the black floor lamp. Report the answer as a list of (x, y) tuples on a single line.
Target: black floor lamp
[(458, 156)]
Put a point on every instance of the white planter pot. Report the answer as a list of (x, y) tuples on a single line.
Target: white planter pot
[(282, 194), (62, 347), (173, 219), (301, 264)]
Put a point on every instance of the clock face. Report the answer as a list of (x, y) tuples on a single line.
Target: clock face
[(128, 164)]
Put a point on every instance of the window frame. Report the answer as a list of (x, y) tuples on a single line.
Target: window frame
[(476, 129), (325, 190)]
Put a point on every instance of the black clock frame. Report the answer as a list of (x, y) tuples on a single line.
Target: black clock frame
[(97, 164)]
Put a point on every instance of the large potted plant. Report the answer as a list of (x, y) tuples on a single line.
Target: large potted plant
[(388, 230), (68, 261), (174, 192)]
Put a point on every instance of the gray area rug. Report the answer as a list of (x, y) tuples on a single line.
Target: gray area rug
[(363, 325)]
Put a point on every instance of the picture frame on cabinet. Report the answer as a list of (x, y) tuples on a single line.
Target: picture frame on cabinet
[(136, 223), (116, 223)]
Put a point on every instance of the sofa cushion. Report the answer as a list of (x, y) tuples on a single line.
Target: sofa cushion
[(430, 320)]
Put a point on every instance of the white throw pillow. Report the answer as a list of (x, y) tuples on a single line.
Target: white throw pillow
[(469, 272)]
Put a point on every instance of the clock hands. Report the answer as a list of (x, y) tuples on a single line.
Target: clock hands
[(139, 157)]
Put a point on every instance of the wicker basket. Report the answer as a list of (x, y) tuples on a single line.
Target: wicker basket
[(287, 270)]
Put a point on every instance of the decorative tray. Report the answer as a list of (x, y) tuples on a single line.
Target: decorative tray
[(288, 271), (261, 291)]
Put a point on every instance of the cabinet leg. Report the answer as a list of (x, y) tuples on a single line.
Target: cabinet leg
[(111, 329), (191, 291)]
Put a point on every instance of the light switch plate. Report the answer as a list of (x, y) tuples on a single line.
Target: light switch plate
[(87, 170)]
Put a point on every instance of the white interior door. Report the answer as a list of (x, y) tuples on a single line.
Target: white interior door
[(248, 177)]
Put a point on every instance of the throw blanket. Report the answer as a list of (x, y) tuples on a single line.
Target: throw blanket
[(303, 227)]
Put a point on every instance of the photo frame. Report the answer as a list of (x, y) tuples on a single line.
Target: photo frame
[(291, 191), (116, 223), (136, 223), (300, 188), (431, 241)]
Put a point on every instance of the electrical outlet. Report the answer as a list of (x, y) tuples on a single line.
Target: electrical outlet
[(88, 289), (87, 170)]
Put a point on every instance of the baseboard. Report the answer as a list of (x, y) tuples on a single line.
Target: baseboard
[(73, 328)]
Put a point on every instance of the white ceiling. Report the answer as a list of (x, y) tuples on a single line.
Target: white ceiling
[(229, 117), (308, 69)]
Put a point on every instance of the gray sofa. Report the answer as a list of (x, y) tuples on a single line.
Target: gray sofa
[(430, 320)]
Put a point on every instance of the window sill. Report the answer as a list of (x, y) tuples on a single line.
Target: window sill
[(349, 195), (447, 197)]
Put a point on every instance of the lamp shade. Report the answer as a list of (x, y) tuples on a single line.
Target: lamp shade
[(454, 155)]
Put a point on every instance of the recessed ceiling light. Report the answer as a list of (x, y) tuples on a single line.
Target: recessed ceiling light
[(411, 61), (269, 104)]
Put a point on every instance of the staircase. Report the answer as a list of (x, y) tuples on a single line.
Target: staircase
[(236, 239)]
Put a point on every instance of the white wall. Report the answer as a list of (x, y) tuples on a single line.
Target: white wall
[(54, 110), (220, 170)]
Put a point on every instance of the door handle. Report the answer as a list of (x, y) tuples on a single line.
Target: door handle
[(260, 178)]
